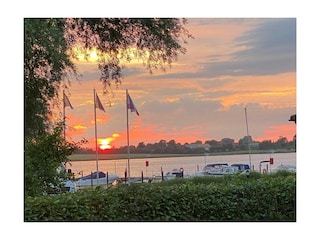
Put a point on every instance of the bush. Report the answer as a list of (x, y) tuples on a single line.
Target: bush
[(232, 198)]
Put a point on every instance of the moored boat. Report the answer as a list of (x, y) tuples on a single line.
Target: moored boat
[(224, 170), (241, 167), (212, 168), (174, 173), (219, 169), (95, 179), (285, 167)]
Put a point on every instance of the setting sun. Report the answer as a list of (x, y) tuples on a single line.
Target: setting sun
[(85, 55), (104, 144)]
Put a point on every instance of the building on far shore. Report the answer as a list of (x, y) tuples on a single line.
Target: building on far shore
[(198, 145)]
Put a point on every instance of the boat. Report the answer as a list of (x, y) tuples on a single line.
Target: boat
[(215, 165), (212, 168), (224, 170), (174, 173), (70, 186), (242, 167), (285, 167), (91, 179), (219, 169), (65, 187)]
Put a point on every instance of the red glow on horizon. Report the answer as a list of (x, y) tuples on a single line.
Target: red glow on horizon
[(274, 133)]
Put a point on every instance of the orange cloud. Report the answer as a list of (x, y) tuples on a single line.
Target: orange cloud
[(272, 91), (79, 127), (100, 120), (115, 135)]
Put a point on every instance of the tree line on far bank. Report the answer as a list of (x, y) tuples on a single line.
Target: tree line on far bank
[(199, 147)]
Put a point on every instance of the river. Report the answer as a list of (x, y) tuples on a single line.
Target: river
[(190, 164)]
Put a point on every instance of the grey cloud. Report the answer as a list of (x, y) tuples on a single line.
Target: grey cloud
[(272, 50), (95, 74), (132, 71), (90, 75), (210, 21), (180, 114), (212, 84), (175, 75)]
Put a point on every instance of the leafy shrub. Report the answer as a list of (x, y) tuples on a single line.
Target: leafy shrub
[(232, 198)]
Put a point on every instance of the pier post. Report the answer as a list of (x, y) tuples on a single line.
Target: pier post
[(141, 176), (161, 174), (91, 180)]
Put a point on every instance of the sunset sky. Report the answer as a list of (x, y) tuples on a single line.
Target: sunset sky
[(231, 63)]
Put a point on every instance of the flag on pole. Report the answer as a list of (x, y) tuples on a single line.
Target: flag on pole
[(98, 103), (131, 105), (66, 101)]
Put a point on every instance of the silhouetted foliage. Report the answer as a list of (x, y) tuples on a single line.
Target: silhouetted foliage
[(43, 161)]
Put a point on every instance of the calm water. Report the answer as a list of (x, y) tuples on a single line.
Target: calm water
[(189, 164)]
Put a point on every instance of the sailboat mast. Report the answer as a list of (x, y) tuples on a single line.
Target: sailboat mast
[(248, 136)]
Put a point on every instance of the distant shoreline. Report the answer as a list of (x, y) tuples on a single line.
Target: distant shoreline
[(112, 156)]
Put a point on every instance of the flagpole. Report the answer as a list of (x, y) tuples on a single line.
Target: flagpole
[(128, 146), (64, 117), (95, 131)]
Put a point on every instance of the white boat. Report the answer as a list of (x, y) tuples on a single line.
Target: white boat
[(70, 186), (174, 173), (286, 167), (241, 167), (218, 170), (225, 170), (212, 168), (91, 179)]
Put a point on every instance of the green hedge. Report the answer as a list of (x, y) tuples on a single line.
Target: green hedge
[(236, 198)]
